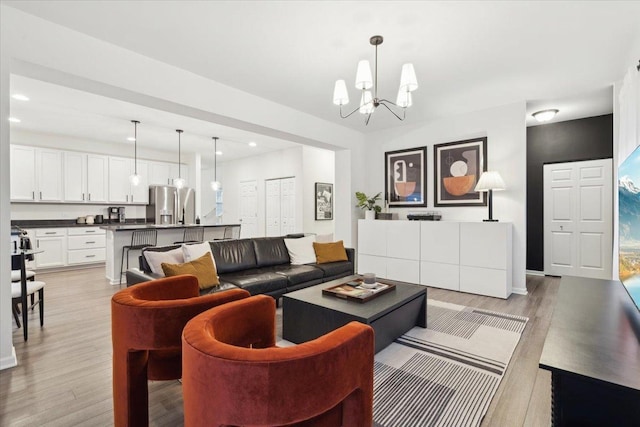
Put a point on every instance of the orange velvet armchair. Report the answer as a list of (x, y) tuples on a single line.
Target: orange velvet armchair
[(146, 325), (233, 373)]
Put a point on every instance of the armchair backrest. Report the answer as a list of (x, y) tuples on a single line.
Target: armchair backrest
[(225, 356)]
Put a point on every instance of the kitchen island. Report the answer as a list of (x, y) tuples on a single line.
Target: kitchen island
[(119, 235)]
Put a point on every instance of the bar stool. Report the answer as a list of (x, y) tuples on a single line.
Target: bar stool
[(140, 239), (192, 235)]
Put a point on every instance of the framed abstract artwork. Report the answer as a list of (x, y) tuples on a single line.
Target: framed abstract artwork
[(406, 177), (324, 201), (457, 169)]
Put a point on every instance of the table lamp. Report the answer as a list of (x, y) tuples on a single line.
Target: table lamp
[(490, 181)]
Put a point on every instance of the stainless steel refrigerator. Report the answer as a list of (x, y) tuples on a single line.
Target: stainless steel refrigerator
[(170, 205)]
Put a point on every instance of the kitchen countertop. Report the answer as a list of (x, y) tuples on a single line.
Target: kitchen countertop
[(130, 227), (50, 223)]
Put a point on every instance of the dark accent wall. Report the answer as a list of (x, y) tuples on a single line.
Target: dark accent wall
[(570, 141)]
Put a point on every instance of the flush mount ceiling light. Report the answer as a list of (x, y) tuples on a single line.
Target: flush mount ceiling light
[(135, 178), (370, 101), (14, 120), (20, 97), (545, 115), (215, 184), (252, 144), (179, 182)]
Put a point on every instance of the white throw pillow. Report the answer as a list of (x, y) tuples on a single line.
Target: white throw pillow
[(194, 251), (301, 250), (325, 238), (156, 258)]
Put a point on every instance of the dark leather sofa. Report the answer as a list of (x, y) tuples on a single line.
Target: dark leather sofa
[(258, 265)]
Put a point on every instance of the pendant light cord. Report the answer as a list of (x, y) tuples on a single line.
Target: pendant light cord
[(375, 94), (135, 146), (215, 159)]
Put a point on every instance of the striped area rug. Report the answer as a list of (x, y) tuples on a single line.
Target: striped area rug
[(446, 374)]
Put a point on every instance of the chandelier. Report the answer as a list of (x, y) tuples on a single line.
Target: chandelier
[(370, 101)]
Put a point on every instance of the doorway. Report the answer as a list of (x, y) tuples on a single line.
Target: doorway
[(248, 209), (578, 219), (280, 206)]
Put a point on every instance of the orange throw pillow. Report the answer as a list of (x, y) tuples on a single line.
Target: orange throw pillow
[(203, 268), (330, 252)]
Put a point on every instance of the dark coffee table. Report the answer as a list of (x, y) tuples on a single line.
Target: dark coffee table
[(308, 314)]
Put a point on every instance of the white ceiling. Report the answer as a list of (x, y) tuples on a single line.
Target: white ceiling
[(468, 56)]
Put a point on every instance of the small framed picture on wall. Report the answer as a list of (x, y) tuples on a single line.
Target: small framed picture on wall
[(406, 177), (324, 201), (457, 169)]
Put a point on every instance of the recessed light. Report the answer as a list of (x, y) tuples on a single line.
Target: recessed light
[(252, 144), (20, 97), (131, 138), (218, 153), (545, 115), (14, 120)]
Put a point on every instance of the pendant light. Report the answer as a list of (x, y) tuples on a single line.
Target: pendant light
[(135, 178), (215, 184), (179, 182)]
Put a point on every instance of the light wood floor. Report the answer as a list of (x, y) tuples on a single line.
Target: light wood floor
[(64, 372)]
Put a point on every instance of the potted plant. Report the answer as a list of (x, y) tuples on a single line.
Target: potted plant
[(368, 204)]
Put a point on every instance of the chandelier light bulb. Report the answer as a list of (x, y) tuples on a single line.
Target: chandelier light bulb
[(340, 94), (363, 75)]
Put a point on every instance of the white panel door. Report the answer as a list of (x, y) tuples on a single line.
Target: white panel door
[(578, 223), (97, 178), (23, 173), (75, 177), (248, 209), (288, 206), (272, 217), (49, 175)]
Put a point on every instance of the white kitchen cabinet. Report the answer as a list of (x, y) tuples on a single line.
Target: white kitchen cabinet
[(97, 178), (23, 177), (120, 188), (36, 174), (86, 245), (49, 175), (53, 243), (75, 177), (160, 173)]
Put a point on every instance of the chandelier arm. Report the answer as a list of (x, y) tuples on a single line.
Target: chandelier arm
[(404, 110), (366, 122), (344, 117)]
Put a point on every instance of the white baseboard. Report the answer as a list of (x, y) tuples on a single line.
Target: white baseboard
[(9, 361), (534, 272), (519, 291)]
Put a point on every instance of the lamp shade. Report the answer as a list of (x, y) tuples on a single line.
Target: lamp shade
[(363, 75), (366, 102), (408, 78), (404, 98), (490, 180), (340, 94)]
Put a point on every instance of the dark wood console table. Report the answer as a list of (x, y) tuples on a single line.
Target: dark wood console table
[(593, 353)]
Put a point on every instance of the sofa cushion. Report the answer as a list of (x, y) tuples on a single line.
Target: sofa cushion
[(270, 251), (233, 255), (256, 281), (335, 269), (196, 250), (330, 252), (156, 258), (301, 250), (297, 274), (203, 268)]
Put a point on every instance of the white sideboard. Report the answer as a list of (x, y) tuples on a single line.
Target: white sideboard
[(472, 257)]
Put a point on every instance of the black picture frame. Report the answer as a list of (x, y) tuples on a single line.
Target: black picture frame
[(324, 201), (457, 167), (405, 173)]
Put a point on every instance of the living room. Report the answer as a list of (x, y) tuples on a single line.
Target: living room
[(50, 49)]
